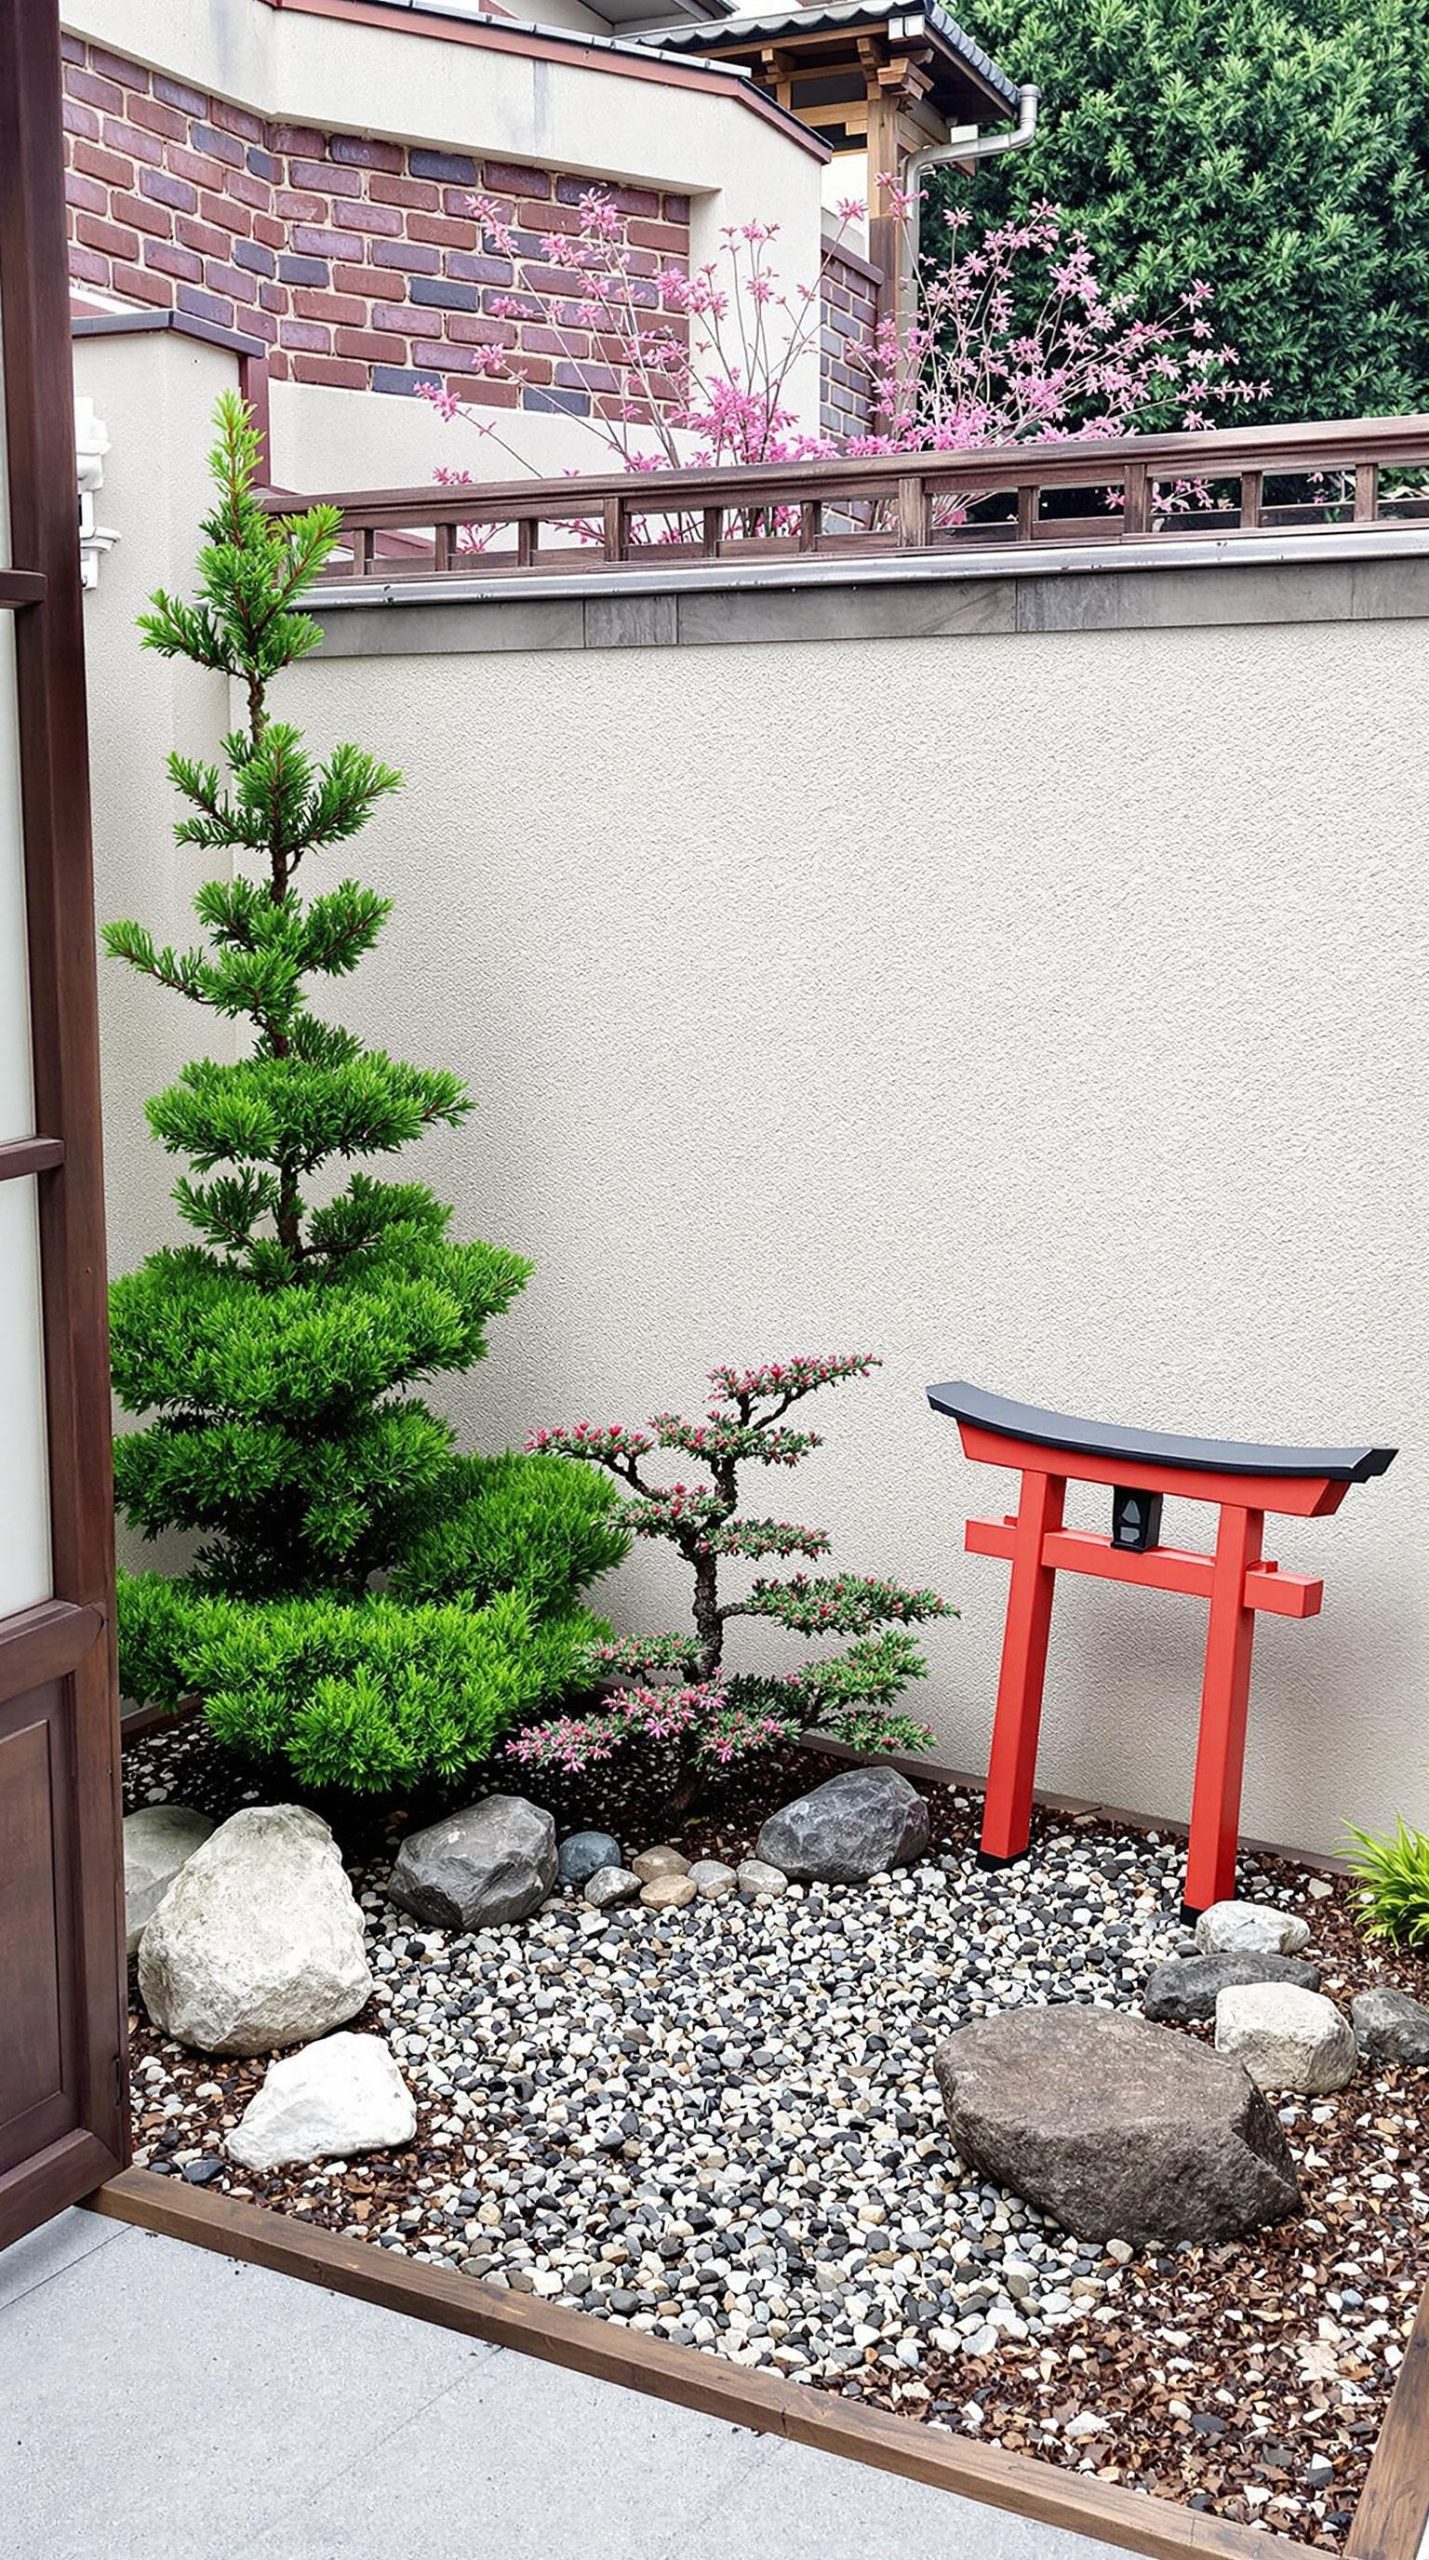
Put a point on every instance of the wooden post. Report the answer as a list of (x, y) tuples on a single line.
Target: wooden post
[(613, 521), (1225, 1696), (885, 227), (1007, 1813)]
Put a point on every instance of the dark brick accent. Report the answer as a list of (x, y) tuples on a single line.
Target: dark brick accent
[(451, 166), (447, 297)]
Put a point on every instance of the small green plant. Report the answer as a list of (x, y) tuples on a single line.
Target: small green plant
[(366, 1601), (1395, 1876)]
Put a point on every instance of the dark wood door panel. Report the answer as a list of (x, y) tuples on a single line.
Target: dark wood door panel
[(37, 2100)]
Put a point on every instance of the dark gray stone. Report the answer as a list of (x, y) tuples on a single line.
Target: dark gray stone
[(494, 1862), (1390, 2027), (1177, 1993), (584, 1853), (1115, 2128), (854, 1826)]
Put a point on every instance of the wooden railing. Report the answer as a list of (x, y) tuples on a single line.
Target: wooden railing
[(1345, 474)]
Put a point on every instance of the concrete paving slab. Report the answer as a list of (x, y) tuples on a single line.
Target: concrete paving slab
[(525, 2461), (186, 2400), (48, 2251), (161, 2402), (805, 2505)]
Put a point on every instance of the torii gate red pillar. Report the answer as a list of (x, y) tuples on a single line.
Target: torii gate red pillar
[(1245, 1480)]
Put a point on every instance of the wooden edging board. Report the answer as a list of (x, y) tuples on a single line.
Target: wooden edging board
[(718, 2389)]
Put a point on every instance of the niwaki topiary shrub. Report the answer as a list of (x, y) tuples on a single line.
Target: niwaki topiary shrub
[(366, 1602), (709, 1716)]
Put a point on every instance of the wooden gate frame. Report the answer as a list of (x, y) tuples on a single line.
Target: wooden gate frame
[(69, 1638)]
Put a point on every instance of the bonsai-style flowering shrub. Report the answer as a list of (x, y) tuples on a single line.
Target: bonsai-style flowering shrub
[(706, 362), (365, 1601), (717, 1716), (1394, 1874)]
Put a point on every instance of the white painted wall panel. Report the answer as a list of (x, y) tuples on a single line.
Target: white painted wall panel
[(24, 1474)]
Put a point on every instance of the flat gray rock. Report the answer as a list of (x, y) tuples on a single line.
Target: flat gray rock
[(492, 1863), (1115, 2128), (859, 1824), (159, 1840), (1286, 2038), (258, 1942), (1251, 1929), (1187, 1989), (1390, 2027), (582, 1854)]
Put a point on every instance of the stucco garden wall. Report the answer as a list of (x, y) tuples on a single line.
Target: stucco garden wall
[(1042, 1010), (1037, 1005)]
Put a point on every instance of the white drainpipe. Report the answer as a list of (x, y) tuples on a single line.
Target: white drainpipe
[(961, 147)]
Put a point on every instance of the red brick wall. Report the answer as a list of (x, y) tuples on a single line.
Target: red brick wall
[(848, 312), (358, 262)]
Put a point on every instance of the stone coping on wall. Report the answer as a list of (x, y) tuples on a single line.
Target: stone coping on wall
[(1163, 584)]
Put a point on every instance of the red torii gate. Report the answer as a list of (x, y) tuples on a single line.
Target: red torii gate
[(1142, 1467)]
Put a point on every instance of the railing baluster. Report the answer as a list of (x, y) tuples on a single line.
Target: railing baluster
[(444, 547), (366, 550), (1028, 494), (914, 512), (613, 514), (1252, 484), (528, 534), (811, 523), (1366, 492), (1136, 499)]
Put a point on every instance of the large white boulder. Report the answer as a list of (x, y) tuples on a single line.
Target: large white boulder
[(158, 1840), (334, 2099), (1285, 2037), (258, 1942)]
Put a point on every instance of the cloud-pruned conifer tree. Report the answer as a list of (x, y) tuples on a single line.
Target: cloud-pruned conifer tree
[(365, 1601)]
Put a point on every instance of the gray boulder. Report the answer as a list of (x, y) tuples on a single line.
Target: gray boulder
[(158, 1840), (492, 1863), (258, 1942), (1251, 1929), (1286, 2038), (583, 1854), (1187, 1989), (1114, 2127), (854, 1826), (1390, 2027), (342, 2096)]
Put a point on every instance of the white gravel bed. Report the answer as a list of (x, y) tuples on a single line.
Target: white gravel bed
[(720, 2125)]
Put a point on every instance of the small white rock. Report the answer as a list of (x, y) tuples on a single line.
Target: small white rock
[(756, 1879), (338, 2097), (1284, 2037), (1250, 1929), (713, 1880)]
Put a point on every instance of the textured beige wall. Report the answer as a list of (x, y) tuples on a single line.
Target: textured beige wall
[(1043, 1010)]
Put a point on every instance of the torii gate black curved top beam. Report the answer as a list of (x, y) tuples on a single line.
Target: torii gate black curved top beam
[(1080, 1438)]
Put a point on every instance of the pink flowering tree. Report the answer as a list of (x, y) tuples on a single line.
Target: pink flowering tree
[(703, 366), (705, 1716)]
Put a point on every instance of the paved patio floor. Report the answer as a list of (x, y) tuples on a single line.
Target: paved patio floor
[(158, 2402)]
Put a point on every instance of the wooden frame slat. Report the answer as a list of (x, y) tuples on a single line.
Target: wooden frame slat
[(64, 1013), (1392, 2518), (20, 1156)]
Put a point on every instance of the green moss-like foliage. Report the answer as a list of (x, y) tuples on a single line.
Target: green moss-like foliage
[(366, 1601), (1277, 148)]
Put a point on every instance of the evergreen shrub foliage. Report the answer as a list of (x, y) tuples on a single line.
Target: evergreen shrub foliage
[(1278, 149), (708, 1716), (366, 1601)]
